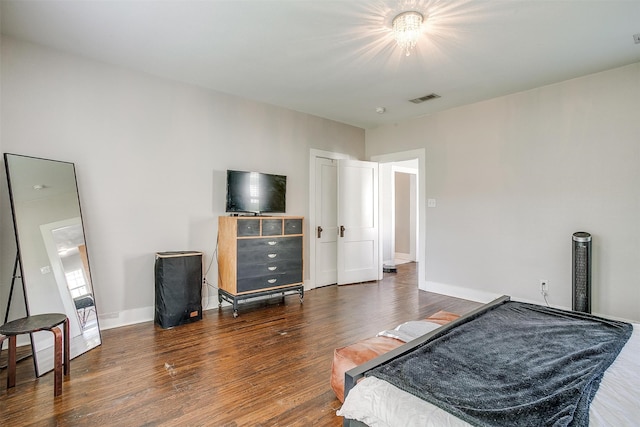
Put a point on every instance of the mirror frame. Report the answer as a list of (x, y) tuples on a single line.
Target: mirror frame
[(85, 331)]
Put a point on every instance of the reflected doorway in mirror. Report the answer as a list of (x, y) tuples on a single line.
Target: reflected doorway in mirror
[(50, 239)]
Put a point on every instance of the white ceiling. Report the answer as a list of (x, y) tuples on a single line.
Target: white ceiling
[(337, 59)]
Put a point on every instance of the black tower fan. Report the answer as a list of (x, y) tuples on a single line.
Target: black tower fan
[(581, 274)]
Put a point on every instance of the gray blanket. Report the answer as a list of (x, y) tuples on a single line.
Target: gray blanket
[(517, 365)]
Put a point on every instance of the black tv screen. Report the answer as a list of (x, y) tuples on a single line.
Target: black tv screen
[(255, 192)]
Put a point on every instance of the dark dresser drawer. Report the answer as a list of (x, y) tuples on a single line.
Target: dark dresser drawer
[(256, 269), (248, 227), (292, 226), (271, 227), (246, 258), (270, 244), (269, 281)]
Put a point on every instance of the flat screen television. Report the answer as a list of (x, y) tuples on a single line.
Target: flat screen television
[(255, 192)]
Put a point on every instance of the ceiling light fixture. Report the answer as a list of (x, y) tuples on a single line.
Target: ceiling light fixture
[(406, 30)]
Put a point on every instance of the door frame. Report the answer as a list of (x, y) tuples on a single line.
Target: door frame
[(415, 228), (313, 154), (419, 154)]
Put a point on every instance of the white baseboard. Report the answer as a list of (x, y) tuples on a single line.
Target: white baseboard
[(459, 292), (400, 255), (126, 317), (146, 314)]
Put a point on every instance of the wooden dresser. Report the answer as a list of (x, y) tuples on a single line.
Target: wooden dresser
[(259, 256)]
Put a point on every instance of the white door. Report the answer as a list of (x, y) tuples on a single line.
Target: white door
[(326, 215), (357, 247)]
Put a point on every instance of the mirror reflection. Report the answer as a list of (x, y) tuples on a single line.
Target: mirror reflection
[(52, 251)]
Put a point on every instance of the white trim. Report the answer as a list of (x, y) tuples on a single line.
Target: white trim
[(392, 220), (460, 292), (403, 256), (126, 317), (147, 314), (396, 168)]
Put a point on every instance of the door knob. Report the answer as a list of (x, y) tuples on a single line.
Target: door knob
[(319, 232), (342, 231)]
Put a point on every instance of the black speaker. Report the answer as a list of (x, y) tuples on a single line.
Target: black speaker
[(178, 278), (581, 274)]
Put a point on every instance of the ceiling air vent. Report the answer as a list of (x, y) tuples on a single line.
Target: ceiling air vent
[(424, 98)]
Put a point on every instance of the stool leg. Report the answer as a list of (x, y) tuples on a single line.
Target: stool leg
[(67, 366), (57, 361), (11, 373)]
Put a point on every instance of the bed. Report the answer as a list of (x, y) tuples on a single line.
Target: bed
[(594, 381)]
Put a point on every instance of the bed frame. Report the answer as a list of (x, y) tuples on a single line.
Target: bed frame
[(352, 376)]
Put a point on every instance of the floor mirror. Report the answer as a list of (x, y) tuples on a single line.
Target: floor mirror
[(52, 254)]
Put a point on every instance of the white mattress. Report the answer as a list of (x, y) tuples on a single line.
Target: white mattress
[(379, 404)]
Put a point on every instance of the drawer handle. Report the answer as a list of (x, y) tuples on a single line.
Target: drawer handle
[(272, 268), (272, 281), (272, 243), (272, 255)]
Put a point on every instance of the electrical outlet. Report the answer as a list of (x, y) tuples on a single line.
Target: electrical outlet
[(544, 287)]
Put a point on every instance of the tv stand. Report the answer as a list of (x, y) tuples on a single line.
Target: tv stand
[(259, 256)]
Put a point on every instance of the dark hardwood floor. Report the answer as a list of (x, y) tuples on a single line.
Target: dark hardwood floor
[(268, 367)]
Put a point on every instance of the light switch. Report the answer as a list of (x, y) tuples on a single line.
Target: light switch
[(431, 203)]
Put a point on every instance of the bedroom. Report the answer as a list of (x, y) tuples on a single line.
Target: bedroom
[(524, 170)]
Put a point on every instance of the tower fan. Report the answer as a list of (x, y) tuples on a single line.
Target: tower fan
[(581, 275)]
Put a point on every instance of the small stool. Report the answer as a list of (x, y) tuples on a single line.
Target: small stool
[(39, 322)]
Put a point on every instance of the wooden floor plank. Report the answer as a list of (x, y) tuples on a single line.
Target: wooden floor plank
[(268, 367)]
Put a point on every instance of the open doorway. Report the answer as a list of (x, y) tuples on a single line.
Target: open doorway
[(399, 212), (405, 207), (402, 202), (409, 162)]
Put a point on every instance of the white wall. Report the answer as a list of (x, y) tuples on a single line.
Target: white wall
[(151, 156), (516, 176)]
